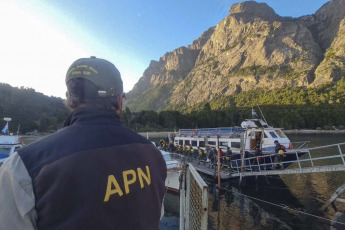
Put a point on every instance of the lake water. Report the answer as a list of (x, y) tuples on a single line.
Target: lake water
[(272, 202)]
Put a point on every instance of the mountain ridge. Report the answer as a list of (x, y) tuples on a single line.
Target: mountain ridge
[(252, 48)]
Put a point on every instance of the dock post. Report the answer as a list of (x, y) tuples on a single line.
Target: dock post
[(218, 161)]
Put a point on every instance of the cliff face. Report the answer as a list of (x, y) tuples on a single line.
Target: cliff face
[(252, 48)]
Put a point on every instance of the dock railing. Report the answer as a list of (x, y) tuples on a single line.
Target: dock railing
[(193, 200), (330, 156), (299, 160)]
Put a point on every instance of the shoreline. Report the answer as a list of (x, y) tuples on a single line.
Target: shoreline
[(158, 134), (313, 131)]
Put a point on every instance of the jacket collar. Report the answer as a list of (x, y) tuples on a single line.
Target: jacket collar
[(92, 115)]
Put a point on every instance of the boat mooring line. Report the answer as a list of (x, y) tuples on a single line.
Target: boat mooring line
[(285, 207)]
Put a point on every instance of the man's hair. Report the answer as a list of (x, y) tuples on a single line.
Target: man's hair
[(82, 91)]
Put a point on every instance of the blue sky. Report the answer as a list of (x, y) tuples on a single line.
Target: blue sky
[(41, 38)]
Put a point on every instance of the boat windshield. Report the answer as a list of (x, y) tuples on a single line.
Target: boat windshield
[(281, 134), (4, 151)]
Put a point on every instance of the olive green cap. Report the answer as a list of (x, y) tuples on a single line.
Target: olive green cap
[(100, 72)]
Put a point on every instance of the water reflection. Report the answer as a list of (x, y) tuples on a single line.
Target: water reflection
[(232, 210), (264, 203)]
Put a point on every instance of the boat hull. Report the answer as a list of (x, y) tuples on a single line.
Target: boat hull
[(172, 182)]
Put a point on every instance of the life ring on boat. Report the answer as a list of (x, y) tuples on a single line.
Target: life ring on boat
[(290, 146)]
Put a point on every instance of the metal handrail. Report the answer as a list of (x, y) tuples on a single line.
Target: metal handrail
[(234, 166), (300, 144)]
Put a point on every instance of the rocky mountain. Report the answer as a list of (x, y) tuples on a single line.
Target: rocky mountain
[(252, 48)]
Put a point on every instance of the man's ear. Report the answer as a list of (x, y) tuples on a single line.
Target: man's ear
[(119, 105)]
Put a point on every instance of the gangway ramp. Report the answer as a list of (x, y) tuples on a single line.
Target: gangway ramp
[(329, 158)]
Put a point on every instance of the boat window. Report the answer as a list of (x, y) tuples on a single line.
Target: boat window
[(273, 134), (223, 143), (265, 135), (280, 133), (201, 143), (194, 143), (211, 143), (5, 151), (235, 145), (180, 142), (258, 123), (187, 142)]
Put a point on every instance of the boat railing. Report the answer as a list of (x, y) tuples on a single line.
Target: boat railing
[(300, 144), (324, 158), (212, 132), (314, 158)]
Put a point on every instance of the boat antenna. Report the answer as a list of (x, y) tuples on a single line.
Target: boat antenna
[(254, 115), (262, 114), (18, 129)]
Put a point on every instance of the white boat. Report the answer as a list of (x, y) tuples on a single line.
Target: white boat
[(254, 131), (172, 182), (8, 145)]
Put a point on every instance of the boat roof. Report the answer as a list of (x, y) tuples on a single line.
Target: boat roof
[(9, 140), (248, 124)]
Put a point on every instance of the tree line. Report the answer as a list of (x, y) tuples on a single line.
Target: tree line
[(288, 117), (290, 108), (31, 110)]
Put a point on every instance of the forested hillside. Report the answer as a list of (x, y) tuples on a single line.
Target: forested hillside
[(290, 108), (298, 108), (30, 109)]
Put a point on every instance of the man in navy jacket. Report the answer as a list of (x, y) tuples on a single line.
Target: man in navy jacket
[(92, 174)]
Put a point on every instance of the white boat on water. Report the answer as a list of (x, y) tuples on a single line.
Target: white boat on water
[(9, 143), (253, 132), (172, 182)]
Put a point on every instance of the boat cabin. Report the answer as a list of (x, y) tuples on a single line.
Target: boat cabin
[(253, 131)]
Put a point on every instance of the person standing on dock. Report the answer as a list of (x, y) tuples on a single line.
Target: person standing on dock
[(94, 173), (228, 155), (280, 157)]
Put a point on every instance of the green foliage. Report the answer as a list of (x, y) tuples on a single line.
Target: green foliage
[(30, 109), (290, 108), (256, 70), (152, 98), (330, 54)]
